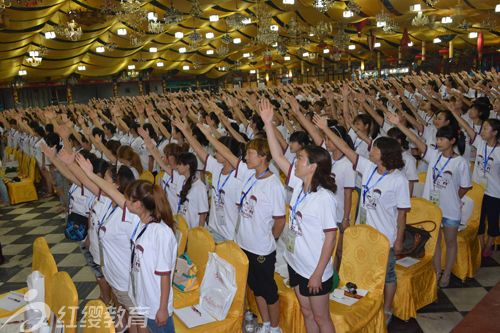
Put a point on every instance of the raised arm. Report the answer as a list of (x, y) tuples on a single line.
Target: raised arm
[(266, 114), (321, 122), (153, 150), (63, 169), (69, 160), (461, 121), (193, 142), (394, 119), (306, 124), (222, 149)]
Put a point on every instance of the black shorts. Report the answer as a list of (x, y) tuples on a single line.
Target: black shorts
[(296, 279), (261, 276)]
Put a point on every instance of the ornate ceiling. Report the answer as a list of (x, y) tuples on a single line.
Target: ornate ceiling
[(23, 28)]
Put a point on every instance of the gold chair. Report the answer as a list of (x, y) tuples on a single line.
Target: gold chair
[(468, 246), (232, 253), (24, 190), (96, 318), (147, 176), (199, 243), (181, 229), (159, 177), (354, 206), (63, 300), (417, 285)]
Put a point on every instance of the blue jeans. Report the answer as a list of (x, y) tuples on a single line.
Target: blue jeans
[(4, 193), (168, 328)]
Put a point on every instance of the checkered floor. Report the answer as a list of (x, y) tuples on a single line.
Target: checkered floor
[(21, 224)]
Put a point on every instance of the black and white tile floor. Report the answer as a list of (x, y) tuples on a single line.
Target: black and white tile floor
[(21, 224)]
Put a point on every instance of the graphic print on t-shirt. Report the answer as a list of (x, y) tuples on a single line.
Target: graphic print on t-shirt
[(295, 226), (443, 180), (372, 198), (139, 252), (184, 207), (248, 208), (219, 199), (480, 164)]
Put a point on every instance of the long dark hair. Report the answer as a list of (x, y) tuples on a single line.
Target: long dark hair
[(495, 126), (323, 174), (153, 199), (234, 145), (391, 153), (450, 133), (342, 133), (397, 134), (190, 160)]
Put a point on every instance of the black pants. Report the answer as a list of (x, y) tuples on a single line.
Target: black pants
[(490, 209)]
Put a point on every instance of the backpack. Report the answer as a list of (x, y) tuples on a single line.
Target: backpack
[(76, 227)]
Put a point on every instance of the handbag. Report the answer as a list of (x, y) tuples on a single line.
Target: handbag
[(415, 239), (185, 274), (76, 227)]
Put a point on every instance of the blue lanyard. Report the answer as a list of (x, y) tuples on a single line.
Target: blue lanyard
[(487, 156), (106, 215), (250, 188), (219, 188), (434, 169), (179, 205), (297, 203), (367, 188), (335, 161), (167, 181)]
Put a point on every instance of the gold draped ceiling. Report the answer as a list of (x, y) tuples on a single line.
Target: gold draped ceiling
[(25, 27)]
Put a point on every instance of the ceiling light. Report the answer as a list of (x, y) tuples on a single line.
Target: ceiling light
[(311, 34), (22, 72), (179, 34), (247, 20), (326, 51), (82, 67), (381, 24), (153, 50), (416, 8), (253, 71), (446, 20), (377, 45), (274, 27), (209, 52), (497, 8), (99, 49), (185, 67), (275, 44), (305, 54), (214, 18), (131, 67), (352, 47), (347, 13), (159, 64), (246, 55), (209, 35), (288, 2), (473, 34), (182, 50), (33, 53), (436, 40), (152, 16), (121, 32), (286, 58), (50, 35), (237, 40), (410, 44)]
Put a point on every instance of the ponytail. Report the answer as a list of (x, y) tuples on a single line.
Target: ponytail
[(190, 160), (162, 207), (453, 132), (322, 176)]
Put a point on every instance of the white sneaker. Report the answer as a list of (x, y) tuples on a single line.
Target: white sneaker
[(263, 329), (275, 330)]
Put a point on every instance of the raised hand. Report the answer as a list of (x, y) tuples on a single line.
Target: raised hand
[(47, 150), (180, 125), (85, 164), (205, 130), (66, 156), (266, 111), (144, 134), (345, 90), (321, 122), (393, 118)]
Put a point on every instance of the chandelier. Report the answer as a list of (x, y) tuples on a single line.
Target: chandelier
[(18, 82), (129, 6), (382, 18), (69, 30), (136, 39), (196, 10), (321, 30), (195, 40), (323, 5), (226, 38), (223, 50), (341, 39), (155, 26), (236, 21), (353, 7), (132, 73), (282, 49), (172, 15), (4, 4), (391, 26), (431, 3), (420, 20), (34, 59), (489, 23), (195, 64), (110, 46), (265, 35)]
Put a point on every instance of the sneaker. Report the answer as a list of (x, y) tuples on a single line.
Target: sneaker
[(263, 329), (275, 330)]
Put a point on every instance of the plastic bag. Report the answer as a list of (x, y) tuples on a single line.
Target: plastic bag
[(218, 287), (185, 274)]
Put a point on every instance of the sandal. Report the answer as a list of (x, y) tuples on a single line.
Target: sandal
[(388, 317), (444, 283), (438, 277)]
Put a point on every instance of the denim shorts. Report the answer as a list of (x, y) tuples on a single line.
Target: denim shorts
[(390, 275), (168, 328), (449, 223), (96, 269)]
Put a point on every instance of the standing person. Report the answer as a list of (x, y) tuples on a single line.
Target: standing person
[(385, 197), (448, 180), (153, 249), (260, 223), (312, 226)]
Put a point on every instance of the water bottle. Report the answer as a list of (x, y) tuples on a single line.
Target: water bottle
[(249, 322)]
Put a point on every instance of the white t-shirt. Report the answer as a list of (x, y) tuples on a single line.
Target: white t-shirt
[(345, 177), (80, 200), (492, 169), (382, 197), (140, 148), (154, 256), (172, 185), (225, 192), (38, 152), (114, 234), (290, 157), (410, 168), (97, 212), (264, 201), (196, 204), (454, 175), (315, 214), (360, 146)]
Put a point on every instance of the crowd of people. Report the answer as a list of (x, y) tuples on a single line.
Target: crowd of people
[(233, 160)]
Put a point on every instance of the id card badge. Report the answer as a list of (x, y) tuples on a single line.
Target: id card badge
[(434, 196), (132, 281), (219, 214), (362, 215), (101, 254), (290, 243), (483, 181)]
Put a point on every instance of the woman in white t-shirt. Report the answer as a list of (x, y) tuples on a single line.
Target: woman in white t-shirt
[(193, 199), (410, 168), (260, 222), (448, 180), (312, 224), (152, 249), (384, 199), (487, 173)]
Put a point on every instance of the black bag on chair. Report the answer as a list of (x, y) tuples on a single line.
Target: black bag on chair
[(76, 227), (415, 239)]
